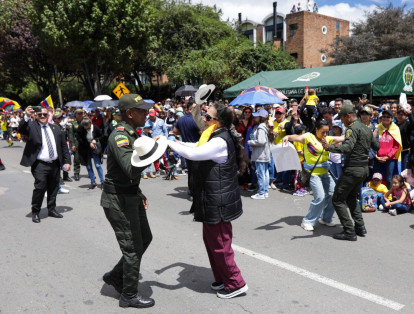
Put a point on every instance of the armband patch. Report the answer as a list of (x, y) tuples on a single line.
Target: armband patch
[(348, 133)]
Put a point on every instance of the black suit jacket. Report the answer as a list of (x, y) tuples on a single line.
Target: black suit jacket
[(34, 143)]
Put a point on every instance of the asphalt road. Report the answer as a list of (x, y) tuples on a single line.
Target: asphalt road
[(57, 266)]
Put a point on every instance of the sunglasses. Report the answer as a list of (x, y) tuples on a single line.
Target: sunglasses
[(42, 114), (209, 118)]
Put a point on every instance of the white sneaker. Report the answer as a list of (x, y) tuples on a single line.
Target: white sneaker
[(381, 208), (266, 195), (329, 224), (273, 186), (105, 156), (63, 191), (258, 197), (306, 226), (392, 212)]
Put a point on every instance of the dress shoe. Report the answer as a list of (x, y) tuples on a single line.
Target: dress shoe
[(54, 213), (345, 235), (35, 218), (361, 231), (92, 186), (109, 281), (76, 176), (135, 301), (68, 179)]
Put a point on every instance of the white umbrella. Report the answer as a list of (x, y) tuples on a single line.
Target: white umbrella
[(102, 97)]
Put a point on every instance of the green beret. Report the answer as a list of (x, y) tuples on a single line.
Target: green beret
[(130, 101)]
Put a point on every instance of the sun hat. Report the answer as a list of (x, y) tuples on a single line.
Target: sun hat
[(261, 113), (147, 150), (203, 93)]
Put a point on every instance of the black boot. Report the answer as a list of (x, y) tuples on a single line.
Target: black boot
[(66, 176), (76, 176), (361, 231), (135, 301), (346, 235)]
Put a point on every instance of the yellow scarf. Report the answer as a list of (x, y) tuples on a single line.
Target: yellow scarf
[(394, 130), (205, 136)]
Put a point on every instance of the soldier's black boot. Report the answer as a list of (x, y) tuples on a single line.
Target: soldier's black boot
[(111, 282), (361, 231), (135, 301), (76, 176), (346, 235)]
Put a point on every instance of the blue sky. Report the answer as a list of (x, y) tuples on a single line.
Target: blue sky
[(256, 10)]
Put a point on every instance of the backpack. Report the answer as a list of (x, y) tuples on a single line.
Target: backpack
[(368, 200)]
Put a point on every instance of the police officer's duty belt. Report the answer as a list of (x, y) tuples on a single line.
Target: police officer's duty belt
[(356, 164), (113, 189)]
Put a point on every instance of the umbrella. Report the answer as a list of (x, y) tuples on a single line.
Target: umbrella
[(265, 89), (75, 103), (8, 104), (259, 95), (104, 103), (102, 97), (186, 90)]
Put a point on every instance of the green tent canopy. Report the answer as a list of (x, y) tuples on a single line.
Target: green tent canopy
[(381, 78)]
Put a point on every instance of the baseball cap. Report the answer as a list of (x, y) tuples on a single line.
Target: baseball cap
[(377, 175), (57, 115), (280, 109), (346, 109), (152, 113), (117, 112), (179, 113), (389, 112), (79, 110), (130, 101), (293, 100), (367, 109), (261, 113), (337, 123)]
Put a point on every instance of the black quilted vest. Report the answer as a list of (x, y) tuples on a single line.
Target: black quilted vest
[(216, 194)]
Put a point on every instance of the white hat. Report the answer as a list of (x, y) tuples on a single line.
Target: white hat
[(147, 150), (203, 93), (179, 109)]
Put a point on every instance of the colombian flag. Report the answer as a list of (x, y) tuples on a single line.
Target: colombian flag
[(47, 102)]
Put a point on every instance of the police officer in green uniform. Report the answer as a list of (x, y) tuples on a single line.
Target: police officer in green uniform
[(125, 205), (73, 142), (358, 140)]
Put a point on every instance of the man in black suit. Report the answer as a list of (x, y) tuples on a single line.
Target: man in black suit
[(46, 152)]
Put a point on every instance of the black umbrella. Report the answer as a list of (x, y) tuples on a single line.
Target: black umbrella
[(186, 90)]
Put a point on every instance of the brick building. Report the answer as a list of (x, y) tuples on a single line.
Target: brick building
[(303, 34)]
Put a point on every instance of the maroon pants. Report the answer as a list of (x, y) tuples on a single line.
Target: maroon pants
[(157, 163), (217, 239)]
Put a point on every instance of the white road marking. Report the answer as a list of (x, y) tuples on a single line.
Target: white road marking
[(324, 280), (27, 171)]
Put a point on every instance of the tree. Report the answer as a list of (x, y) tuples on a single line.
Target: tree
[(95, 39), (21, 58), (386, 33), (230, 61)]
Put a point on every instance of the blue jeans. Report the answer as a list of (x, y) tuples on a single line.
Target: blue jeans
[(271, 168), (336, 170), (149, 168), (254, 175), (388, 169), (97, 160), (401, 208), (262, 171), (323, 188)]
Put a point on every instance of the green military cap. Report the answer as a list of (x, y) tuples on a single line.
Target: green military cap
[(79, 110), (117, 112), (130, 101), (346, 109), (366, 109), (57, 115)]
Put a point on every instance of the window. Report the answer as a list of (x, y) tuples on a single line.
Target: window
[(294, 55), (337, 25), (292, 29)]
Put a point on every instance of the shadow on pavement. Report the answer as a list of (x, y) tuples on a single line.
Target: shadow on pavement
[(412, 226), (59, 209), (182, 192), (191, 277), (296, 221)]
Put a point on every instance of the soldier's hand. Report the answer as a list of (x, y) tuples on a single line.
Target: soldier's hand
[(145, 201)]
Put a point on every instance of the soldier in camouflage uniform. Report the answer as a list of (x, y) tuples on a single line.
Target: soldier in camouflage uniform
[(73, 142), (125, 205)]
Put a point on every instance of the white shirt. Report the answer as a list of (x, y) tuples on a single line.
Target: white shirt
[(44, 152), (15, 122), (215, 150), (89, 135)]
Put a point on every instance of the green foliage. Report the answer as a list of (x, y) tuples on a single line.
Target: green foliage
[(386, 33)]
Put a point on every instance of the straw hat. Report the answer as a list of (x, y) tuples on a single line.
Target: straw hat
[(147, 150)]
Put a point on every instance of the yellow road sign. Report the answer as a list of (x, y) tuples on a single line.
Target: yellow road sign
[(121, 90)]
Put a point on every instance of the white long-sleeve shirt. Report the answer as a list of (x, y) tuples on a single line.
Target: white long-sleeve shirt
[(215, 150)]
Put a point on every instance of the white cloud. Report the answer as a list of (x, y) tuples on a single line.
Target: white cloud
[(256, 10)]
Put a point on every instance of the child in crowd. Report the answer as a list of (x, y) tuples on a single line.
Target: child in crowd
[(380, 188), (299, 130), (335, 158), (401, 201), (172, 163), (408, 175)]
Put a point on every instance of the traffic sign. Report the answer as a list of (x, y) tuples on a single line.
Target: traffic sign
[(120, 90)]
